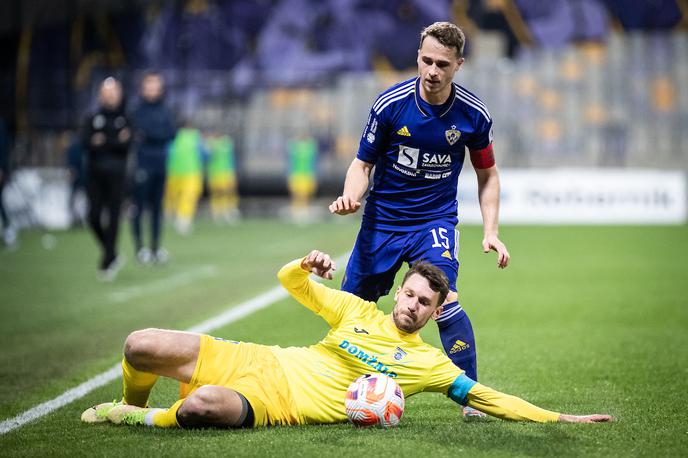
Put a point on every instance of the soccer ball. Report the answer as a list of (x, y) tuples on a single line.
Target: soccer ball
[(374, 399)]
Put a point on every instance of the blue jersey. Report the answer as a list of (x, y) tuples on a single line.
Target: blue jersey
[(418, 151)]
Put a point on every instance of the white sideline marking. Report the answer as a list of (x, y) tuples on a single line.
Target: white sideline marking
[(163, 284), (234, 314)]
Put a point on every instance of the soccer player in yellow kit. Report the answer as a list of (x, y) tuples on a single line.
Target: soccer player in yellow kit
[(237, 384)]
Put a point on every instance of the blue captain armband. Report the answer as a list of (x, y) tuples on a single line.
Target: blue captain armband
[(459, 389)]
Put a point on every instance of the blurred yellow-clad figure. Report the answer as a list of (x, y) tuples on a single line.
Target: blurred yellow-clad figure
[(184, 178), (222, 181), (303, 153)]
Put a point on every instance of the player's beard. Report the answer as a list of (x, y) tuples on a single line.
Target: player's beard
[(405, 322)]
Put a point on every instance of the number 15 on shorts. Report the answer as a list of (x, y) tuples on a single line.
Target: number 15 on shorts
[(439, 235)]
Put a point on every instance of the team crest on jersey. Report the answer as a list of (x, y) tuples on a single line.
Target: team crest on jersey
[(399, 354), (452, 135)]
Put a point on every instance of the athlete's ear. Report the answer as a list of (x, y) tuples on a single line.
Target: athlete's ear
[(438, 311), (396, 293)]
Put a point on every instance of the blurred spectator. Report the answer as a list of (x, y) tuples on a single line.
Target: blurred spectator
[(303, 154), (398, 26), (224, 199), (556, 23), (9, 233), (646, 14), (298, 46), (76, 165), (184, 178), (155, 128), (197, 35), (495, 15), (107, 135)]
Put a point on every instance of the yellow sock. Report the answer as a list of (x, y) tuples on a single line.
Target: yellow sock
[(167, 418), (137, 385)]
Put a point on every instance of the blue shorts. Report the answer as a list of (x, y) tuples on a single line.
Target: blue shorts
[(378, 256)]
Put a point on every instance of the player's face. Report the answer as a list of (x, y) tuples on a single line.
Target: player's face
[(437, 65), (416, 303)]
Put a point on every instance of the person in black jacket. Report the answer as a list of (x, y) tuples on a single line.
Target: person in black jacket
[(106, 136), (155, 129)]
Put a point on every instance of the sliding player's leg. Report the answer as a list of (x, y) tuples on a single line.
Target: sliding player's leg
[(215, 406), (207, 406), (153, 352), (147, 354), (233, 384)]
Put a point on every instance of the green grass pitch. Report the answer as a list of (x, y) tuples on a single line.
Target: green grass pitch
[(585, 320)]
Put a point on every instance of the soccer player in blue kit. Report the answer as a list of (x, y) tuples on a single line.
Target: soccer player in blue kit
[(415, 138)]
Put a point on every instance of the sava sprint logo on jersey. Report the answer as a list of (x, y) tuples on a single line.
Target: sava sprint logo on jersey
[(408, 156), (414, 159), (433, 166)]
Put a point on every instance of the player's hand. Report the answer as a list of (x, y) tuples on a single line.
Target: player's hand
[(596, 418), (492, 242), (344, 205), (320, 264)]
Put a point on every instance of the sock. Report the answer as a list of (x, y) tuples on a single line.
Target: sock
[(458, 341), (137, 384), (166, 418)]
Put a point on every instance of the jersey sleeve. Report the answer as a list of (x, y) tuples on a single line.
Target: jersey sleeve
[(374, 139), (506, 406), (332, 305), (481, 137), (443, 373)]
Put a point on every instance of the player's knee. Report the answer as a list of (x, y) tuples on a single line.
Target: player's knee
[(139, 347), (200, 408)]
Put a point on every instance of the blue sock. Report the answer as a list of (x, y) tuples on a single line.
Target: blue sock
[(459, 342)]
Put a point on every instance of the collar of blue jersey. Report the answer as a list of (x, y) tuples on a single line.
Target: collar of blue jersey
[(417, 98), (406, 336)]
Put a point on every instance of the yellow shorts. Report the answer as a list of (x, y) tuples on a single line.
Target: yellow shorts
[(250, 369), (302, 185), (221, 182)]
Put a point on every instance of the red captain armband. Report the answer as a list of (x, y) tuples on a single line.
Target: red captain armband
[(482, 158)]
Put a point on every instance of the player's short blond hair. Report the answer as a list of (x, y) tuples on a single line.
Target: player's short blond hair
[(448, 34)]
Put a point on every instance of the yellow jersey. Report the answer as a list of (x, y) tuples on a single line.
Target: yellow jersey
[(362, 340)]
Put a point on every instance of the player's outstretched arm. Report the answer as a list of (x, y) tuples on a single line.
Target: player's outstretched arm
[(509, 407), (355, 186)]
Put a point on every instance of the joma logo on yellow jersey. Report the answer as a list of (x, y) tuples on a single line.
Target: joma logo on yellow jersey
[(370, 360)]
